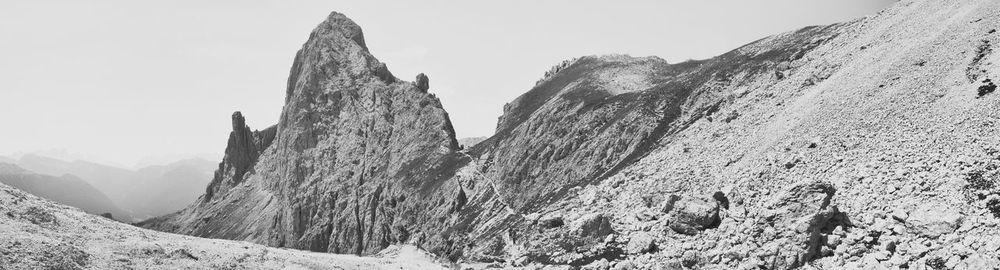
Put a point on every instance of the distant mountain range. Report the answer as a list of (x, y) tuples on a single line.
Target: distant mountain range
[(140, 194), (66, 189)]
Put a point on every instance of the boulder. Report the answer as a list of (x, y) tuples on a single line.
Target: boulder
[(668, 203), (551, 221), (595, 225), (690, 258), (804, 210), (690, 215), (934, 219), (640, 242)]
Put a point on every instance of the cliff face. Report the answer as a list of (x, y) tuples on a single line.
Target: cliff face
[(829, 145), (242, 151)]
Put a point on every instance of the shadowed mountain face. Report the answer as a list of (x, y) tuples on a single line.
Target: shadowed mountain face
[(768, 156), (66, 189), (144, 193)]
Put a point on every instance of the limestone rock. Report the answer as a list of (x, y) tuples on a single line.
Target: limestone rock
[(551, 221), (640, 242), (689, 215), (933, 219), (804, 209), (690, 258), (594, 225)]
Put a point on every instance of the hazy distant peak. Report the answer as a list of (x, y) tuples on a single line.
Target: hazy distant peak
[(8, 168)]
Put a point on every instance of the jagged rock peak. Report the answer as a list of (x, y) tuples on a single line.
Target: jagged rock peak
[(238, 121), (352, 143), (242, 151), (337, 22), (422, 82)]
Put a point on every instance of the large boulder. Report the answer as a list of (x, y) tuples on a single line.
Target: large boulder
[(595, 225), (802, 214), (640, 242), (934, 219), (690, 215)]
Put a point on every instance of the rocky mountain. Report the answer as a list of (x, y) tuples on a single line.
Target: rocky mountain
[(66, 189), (143, 193), (865, 144), (41, 234), (355, 161)]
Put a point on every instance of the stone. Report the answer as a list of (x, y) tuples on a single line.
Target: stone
[(804, 206), (690, 215), (601, 264), (551, 221), (833, 240), (934, 219), (593, 225), (640, 242), (900, 215), (690, 258), (667, 204), (624, 265), (977, 261)]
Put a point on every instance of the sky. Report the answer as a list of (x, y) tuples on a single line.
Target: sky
[(128, 82)]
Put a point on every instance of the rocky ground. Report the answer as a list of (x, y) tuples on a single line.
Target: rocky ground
[(40, 234), (875, 150)]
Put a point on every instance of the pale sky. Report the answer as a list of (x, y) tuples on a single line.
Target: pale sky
[(122, 81)]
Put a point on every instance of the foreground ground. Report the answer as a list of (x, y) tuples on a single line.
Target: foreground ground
[(40, 234)]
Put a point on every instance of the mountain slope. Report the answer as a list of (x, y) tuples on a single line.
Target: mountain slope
[(66, 189), (39, 234), (870, 143), (881, 119)]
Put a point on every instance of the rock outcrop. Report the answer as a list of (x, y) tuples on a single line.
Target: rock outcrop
[(242, 151), (357, 162)]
